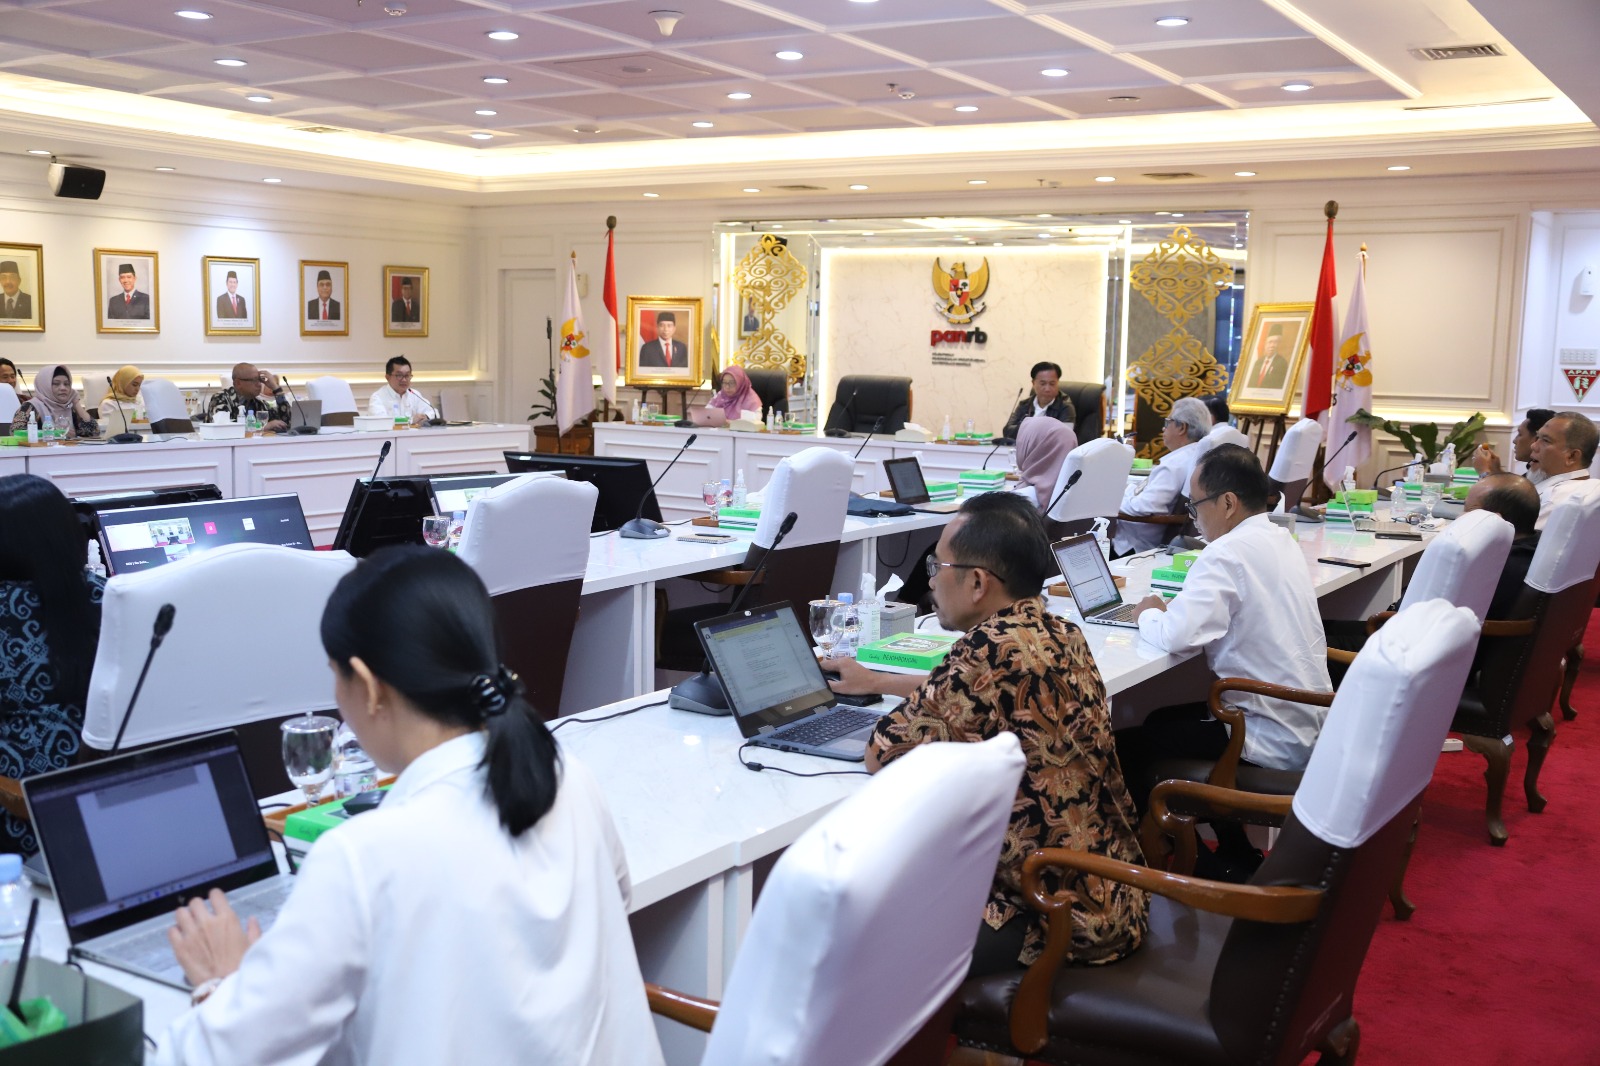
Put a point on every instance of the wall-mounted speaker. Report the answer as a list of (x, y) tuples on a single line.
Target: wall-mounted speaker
[(77, 183)]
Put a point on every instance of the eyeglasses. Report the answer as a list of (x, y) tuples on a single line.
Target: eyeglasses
[(1191, 507), (934, 565)]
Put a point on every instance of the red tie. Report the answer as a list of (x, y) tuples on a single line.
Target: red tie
[(127, 298), (235, 300), (324, 310)]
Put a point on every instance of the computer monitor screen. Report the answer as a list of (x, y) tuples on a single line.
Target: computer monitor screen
[(766, 665), (622, 483), (905, 478), (89, 507), (452, 493), (137, 538), (382, 512)]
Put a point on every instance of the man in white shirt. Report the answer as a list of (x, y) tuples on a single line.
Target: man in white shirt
[(1486, 462), (1563, 448), (398, 397), (1249, 603), (1156, 494)]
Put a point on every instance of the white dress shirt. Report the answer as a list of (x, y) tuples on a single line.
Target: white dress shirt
[(1555, 488), (386, 400), (1154, 494), (421, 933), (1249, 602)]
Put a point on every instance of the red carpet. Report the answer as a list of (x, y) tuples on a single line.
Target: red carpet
[(1501, 962)]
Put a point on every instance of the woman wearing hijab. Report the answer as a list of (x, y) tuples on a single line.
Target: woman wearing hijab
[(9, 376), (124, 399), (1042, 446), (735, 394), (54, 396)]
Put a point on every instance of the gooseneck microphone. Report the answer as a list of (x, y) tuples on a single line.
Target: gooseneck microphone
[(849, 405), (877, 425), (703, 693), (383, 453), (1340, 448), (361, 508), (127, 436), (641, 528), (303, 428), (1071, 481), (158, 633)]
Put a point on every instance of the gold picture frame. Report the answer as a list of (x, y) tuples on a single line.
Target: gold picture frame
[(22, 307), (231, 311), (312, 324), (647, 364), (1269, 366), (396, 320), (123, 309)]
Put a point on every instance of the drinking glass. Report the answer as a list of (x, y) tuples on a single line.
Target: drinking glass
[(711, 493), (308, 753), (436, 530), (1432, 493), (822, 625)]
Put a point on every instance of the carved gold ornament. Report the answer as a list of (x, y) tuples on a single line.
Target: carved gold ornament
[(770, 277)]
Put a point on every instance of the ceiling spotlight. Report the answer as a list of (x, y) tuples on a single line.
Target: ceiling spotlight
[(1244, 173), (651, 195), (1105, 178), (967, 108), (230, 62), (859, 188), (1054, 72), (273, 181), (1122, 99), (978, 181), (1296, 86), (167, 169), (502, 35), (738, 96), (259, 98), (495, 79), (1169, 22), (750, 190), (789, 54), (394, 8), (198, 16), (486, 113), (1399, 168), (667, 21), (703, 125), (40, 151), (480, 136)]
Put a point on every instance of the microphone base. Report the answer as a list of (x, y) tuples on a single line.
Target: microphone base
[(683, 423), (701, 694), (642, 529), (126, 438), (303, 431)]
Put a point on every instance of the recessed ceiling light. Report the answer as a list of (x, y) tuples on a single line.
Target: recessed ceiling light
[(486, 112), (229, 62), (273, 181), (751, 190), (1122, 99), (1045, 215), (167, 169), (738, 96), (40, 151), (703, 125), (495, 79), (775, 225), (977, 181), (1054, 72), (869, 234), (1177, 214), (198, 16), (1044, 236), (1163, 212), (967, 108), (863, 1), (972, 242), (1168, 22), (502, 35), (259, 98), (999, 244), (1105, 178), (651, 195), (859, 188), (1296, 86), (789, 54), (1124, 221), (586, 129), (1399, 168), (480, 136), (1244, 173)]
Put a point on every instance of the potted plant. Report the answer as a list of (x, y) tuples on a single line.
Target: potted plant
[(579, 440), (1423, 437)]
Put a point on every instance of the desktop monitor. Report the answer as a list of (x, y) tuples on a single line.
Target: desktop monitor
[(137, 538), (382, 512), (622, 483), (452, 492), (90, 507)]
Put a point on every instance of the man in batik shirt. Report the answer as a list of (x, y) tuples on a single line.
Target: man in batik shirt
[(245, 395), (1022, 670)]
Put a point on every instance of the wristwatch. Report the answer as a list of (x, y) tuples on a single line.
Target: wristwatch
[(203, 990)]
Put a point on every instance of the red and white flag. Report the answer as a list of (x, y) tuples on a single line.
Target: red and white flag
[(1319, 368), (1352, 385), (611, 349)]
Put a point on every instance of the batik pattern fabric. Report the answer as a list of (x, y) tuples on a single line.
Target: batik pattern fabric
[(1028, 672), (272, 407)]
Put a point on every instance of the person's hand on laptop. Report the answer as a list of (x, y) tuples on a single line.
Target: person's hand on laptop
[(1153, 602), (857, 680), (209, 941)]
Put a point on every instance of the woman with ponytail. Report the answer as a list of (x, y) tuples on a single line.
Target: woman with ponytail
[(478, 915)]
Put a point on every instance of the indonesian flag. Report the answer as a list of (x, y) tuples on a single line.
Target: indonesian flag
[(1352, 384), (574, 374), (611, 362), (1319, 371)]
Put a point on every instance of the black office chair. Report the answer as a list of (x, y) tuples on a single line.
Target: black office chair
[(864, 398), (773, 388), (1089, 401)]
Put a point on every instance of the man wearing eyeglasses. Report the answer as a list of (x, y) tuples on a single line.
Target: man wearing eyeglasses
[(1158, 493), (244, 396), (1022, 670)]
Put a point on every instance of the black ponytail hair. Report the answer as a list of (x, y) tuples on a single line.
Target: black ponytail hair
[(445, 663)]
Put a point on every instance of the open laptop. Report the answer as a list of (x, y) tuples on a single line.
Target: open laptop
[(708, 417), (305, 413), (131, 838), (776, 689), (905, 478), (1089, 577), (137, 538)]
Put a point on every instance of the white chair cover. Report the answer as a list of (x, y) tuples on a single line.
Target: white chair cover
[(1569, 547), (533, 530), (867, 923), (1222, 433), (815, 485), (1098, 494), (454, 405), (1390, 716), (1297, 452), (8, 403), (162, 400), (244, 643), (334, 393), (1462, 564)]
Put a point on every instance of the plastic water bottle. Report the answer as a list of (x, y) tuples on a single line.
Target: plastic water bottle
[(741, 494), (1349, 484), (354, 772), (1102, 537), (944, 433), (47, 428), (95, 565), (869, 612), (14, 898), (458, 525), (847, 623)]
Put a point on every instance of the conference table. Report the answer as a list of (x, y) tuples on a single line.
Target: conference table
[(701, 832)]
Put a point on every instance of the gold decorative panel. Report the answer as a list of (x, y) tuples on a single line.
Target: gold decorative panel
[(770, 277)]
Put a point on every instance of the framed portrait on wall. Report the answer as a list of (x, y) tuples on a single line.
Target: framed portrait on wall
[(1273, 354), (232, 296), (324, 298), (405, 301), (749, 316), (664, 341), (127, 291), (22, 288)]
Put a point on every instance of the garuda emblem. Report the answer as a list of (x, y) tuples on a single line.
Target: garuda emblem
[(960, 296)]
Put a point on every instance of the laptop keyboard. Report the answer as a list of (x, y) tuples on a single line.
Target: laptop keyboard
[(152, 951), (1125, 613), (827, 728)]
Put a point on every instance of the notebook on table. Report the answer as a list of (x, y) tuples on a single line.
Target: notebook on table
[(1094, 590)]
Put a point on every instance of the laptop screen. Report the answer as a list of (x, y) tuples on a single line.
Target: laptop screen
[(766, 666), (452, 494), (1086, 572), (138, 538), (905, 478), (131, 836)]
